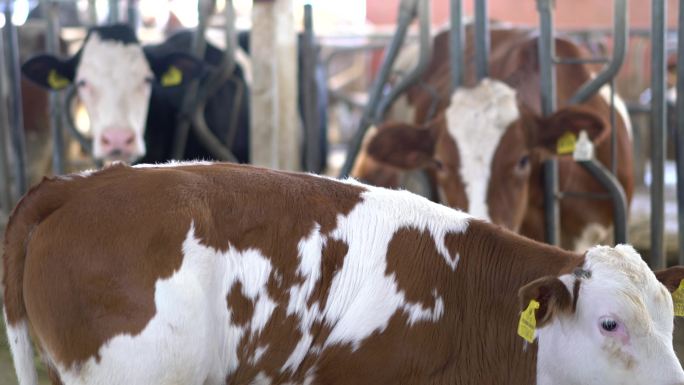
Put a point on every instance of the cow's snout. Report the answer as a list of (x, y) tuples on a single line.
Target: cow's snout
[(118, 143)]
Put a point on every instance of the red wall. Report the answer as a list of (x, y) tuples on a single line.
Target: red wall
[(569, 13)]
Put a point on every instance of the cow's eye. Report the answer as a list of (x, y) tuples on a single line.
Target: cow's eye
[(609, 324), (524, 161), (81, 83), (149, 80)]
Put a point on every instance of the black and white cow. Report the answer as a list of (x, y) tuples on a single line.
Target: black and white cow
[(133, 93)]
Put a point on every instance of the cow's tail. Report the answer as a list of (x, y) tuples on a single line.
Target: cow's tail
[(31, 210)]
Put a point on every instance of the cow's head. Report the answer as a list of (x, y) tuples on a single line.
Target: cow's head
[(482, 150), (115, 78), (608, 322)]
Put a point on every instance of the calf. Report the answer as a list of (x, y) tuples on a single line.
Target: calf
[(485, 145), (213, 274)]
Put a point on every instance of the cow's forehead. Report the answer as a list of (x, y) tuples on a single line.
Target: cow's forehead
[(477, 119), (112, 60), (621, 271)]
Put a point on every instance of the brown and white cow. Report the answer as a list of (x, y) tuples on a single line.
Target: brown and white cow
[(485, 146), (213, 274)]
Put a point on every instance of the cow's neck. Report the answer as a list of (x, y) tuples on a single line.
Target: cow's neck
[(493, 265)]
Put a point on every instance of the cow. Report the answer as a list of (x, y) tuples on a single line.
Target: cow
[(133, 93), (196, 273), (483, 146)]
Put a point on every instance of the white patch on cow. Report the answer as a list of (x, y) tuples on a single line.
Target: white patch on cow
[(623, 288), (21, 347), (298, 354), (593, 234), (181, 344), (175, 163), (116, 92), (620, 107), (477, 119), (258, 353), (417, 312), (261, 379), (362, 298)]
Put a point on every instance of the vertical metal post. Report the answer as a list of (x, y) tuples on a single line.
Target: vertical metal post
[(113, 11), (482, 40), (51, 14), (199, 44), (658, 121), (547, 52), (132, 13), (5, 182), (309, 93), (680, 132), (14, 75), (457, 36), (407, 12), (551, 205), (92, 12)]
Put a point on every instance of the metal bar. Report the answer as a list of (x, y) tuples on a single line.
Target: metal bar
[(113, 11), (407, 11), (132, 13), (658, 129), (592, 60), (5, 177), (51, 14), (309, 93), (482, 40), (92, 12), (424, 57), (85, 143), (14, 75), (584, 195), (551, 202), (610, 183), (680, 133), (457, 41), (613, 130), (620, 34), (547, 78), (218, 78), (547, 51), (189, 104)]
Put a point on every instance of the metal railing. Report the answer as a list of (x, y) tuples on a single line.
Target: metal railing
[(547, 61), (408, 11)]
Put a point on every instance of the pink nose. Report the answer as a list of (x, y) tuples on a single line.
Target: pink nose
[(117, 142)]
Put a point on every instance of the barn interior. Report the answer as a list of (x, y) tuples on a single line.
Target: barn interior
[(300, 82)]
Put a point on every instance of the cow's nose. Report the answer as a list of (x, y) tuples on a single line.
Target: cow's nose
[(118, 141)]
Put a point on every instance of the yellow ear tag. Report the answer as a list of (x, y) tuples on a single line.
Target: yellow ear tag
[(528, 322), (566, 143), (172, 77), (56, 81), (678, 300)]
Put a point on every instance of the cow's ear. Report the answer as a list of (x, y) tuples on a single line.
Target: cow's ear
[(404, 146), (175, 69), (49, 72), (671, 277), (559, 131), (550, 293)]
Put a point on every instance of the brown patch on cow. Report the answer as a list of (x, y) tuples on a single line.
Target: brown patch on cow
[(671, 277), (90, 250), (241, 308), (412, 254), (332, 259)]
